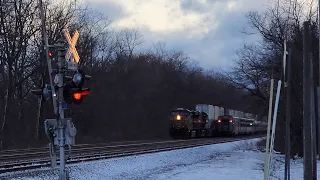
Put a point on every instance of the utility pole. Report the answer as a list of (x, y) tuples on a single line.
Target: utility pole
[(313, 120), (288, 116), (307, 117), (318, 89)]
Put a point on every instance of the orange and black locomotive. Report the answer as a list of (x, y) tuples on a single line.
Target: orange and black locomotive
[(185, 123)]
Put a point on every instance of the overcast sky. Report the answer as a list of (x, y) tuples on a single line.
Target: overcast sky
[(209, 31)]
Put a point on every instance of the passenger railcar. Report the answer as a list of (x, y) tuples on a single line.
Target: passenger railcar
[(230, 125), (260, 126)]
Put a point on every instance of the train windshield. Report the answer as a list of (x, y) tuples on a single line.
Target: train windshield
[(180, 112), (225, 118), (196, 114)]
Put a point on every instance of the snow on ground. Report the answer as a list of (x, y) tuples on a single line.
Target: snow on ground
[(296, 168), (237, 160)]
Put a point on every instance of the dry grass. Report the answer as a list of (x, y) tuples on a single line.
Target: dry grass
[(261, 145)]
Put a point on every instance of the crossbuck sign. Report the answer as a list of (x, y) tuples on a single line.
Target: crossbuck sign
[(72, 56)]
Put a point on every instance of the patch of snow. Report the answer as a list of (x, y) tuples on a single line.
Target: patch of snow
[(239, 165), (296, 168)]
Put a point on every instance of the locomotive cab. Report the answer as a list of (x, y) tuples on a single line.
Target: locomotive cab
[(186, 123), (225, 125), (200, 119), (180, 122)]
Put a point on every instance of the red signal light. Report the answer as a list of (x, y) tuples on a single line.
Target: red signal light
[(77, 96), (85, 92), (50, 54), (219, 121), (230, 121)]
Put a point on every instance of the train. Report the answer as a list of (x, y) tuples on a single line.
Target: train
[(209, 121)]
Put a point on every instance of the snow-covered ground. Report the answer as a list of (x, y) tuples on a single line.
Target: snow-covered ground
[(237, 160)]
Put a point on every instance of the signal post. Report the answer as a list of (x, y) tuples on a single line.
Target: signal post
[(60, 130), (63, 173)]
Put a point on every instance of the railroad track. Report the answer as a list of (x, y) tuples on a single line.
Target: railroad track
[(22, 155), (35, 159), (13, 152), (10, 162)]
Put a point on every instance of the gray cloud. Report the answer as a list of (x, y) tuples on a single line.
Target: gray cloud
[(216, 48), (196, 6), (229, 36), (111, 10), (191, 5)]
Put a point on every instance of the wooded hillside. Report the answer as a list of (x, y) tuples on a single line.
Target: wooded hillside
[(131, 92)]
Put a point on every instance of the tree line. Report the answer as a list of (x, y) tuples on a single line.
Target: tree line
[(131, 92)]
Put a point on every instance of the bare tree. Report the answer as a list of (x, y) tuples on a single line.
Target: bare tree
[(144, 85), (126, 41), (17, 59), (256, 64)]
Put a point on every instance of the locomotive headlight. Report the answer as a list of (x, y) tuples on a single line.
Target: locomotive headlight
[(77, 78), (178, 117)]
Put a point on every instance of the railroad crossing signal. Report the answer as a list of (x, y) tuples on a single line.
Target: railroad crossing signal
[(72, 51), (72, 55), (74, 91), (61, 131)]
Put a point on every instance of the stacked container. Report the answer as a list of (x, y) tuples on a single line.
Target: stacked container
[(209, 109), (231, 112)]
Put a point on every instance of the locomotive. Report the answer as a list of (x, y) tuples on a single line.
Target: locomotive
[(186, 123), (209, 121)]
